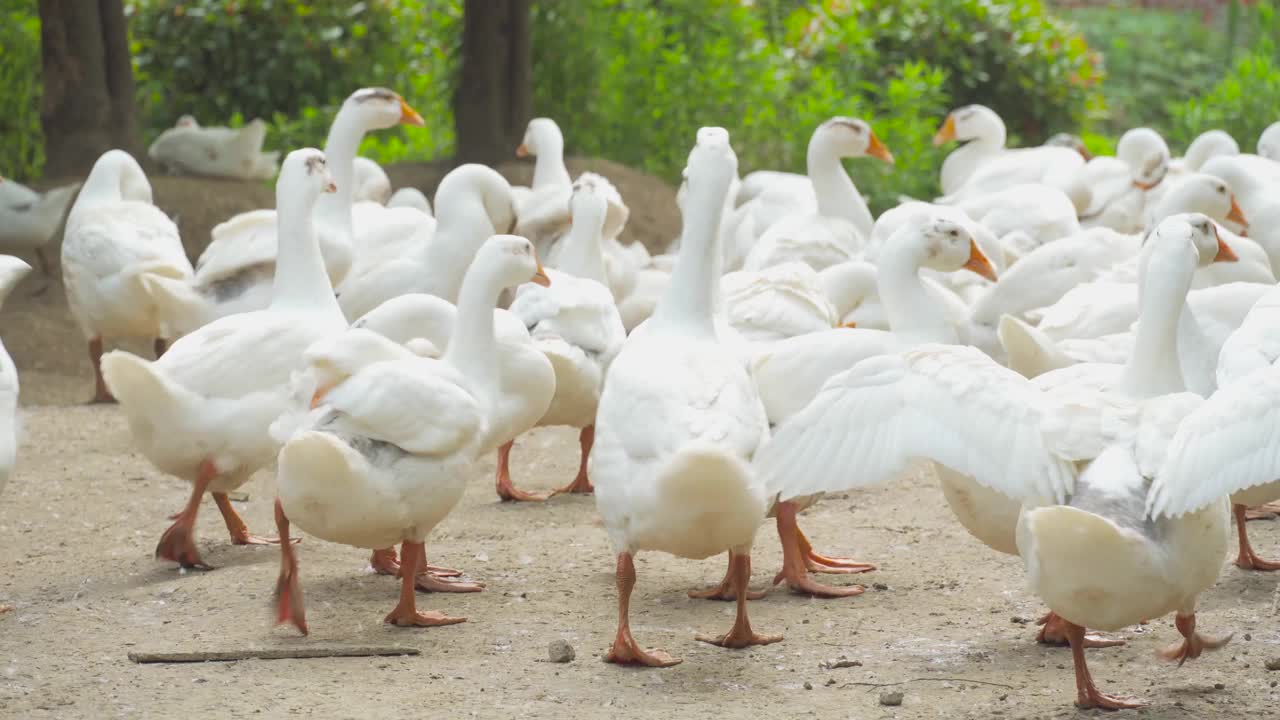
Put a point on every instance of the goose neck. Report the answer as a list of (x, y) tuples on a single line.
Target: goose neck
[(581, 255), (301, 281), (473, 346), (693, 295), (909, 309), (340, 149), (451, 251), (1153, 367), (548, 168), (834, 189)]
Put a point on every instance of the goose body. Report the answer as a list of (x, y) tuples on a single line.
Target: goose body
[(188, 148), (29, 219), (12, 270), (201, 412)]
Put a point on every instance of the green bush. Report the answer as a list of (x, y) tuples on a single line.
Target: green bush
[(293, 62), (1245, 101), (1032, 68), (21, 136)]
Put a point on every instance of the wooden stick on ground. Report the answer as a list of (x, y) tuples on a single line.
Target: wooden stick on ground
[(293, 653)]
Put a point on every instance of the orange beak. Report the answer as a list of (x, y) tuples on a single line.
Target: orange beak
[(849, 325), (979, 263), (1237, 215), (522, 151), (876, 149), (319, 396), (1146, 186), (540, 277), (1225, 253), (331, 187), (947, 132), (409, 116)]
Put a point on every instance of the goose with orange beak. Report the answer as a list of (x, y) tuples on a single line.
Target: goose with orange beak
[(982, 164), (789, 373)]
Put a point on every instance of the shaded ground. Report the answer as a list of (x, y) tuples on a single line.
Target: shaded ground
[(946, 621)]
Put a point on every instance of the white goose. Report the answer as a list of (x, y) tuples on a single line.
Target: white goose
[(187, 148), (116, 243), (789, 373), (12, 270), (983, 164), (386, 453), (201, 412), (1269, 142), (829, 192), (234, 273), (678, 422), (370, 182), (575, 322), (1101, 546), (473, 203), (838, 227), (28, 219)]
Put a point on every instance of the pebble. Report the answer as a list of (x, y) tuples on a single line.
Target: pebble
[(1219, 686), (560, 651), (879, 586), (1019, 620), (1273, 664), (808, 685), (891, 699)]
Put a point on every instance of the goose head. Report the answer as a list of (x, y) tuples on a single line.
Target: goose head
[(947, 245), (850, 137), (1199, 193), (711, 168), (589, 202), (1208, 145), (379, 108), (12, 270), (1203, 233), (1069, 141), (512, 260), (1147, 156), (187, 121), (1269, 142), (972, 122), (305, 174), (616, 211), (116, 176), (541, 136), (473, 188)]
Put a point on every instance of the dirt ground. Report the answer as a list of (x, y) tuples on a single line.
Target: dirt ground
[(945, 621)]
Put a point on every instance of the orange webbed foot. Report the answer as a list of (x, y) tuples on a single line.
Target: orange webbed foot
[(1053, 631), (739, 638), (431, 582), (402, 617), (178, 545), (629, 653), (1092, 698)]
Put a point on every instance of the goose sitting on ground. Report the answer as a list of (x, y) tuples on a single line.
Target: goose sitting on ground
[(678, 423), (188, 148), (384, 456), (234, 273), (29, 219), (116, 244), (202, 411)]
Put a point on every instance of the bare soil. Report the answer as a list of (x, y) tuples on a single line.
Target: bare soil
[(945, 620)]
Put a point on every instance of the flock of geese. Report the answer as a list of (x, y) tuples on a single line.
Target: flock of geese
[(1082, 347)]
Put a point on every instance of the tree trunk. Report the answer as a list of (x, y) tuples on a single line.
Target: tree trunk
[(495, 95), (88, 83)]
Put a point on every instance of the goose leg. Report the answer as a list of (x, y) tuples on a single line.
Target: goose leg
[(727, 589), (289, 607), (1087, 695), (386, 562), (429, 581), (582, 484), (625, 650), (1193, 643), (43, 260), (506, 491), (240, 534), (1247, 558), (831, 565), (794, 568), (178, 542), (405, 613), (1054, 632), (1266, 511), (740, 635), (101, 394)]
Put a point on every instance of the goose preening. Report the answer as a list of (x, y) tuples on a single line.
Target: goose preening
[(384, 454), (678, 422), (116, 244), (202, 411), (29, 219)]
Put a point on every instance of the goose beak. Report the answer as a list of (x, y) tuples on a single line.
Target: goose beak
[(1146, 186), (409, 116), (1237, 215), (319, 395), (331, 187), (876, 149), (522, 151), (1225, 253), (540, 277), (947, 132), (979, 263), (849, 325)]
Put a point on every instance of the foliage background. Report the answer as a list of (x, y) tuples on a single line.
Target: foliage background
[(629, 79)]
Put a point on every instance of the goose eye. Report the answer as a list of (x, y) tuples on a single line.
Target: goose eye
[(953, 233), (1221, 190)]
